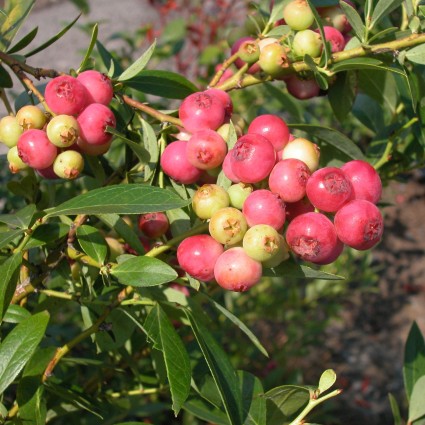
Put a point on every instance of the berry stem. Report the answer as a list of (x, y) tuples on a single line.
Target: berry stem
[(6, 102), (220, 72)]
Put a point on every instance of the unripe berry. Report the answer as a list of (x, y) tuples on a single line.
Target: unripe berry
[(307, 42), (312, 236), (252, 158), (273, 59), (239, 63), (302, 88), (98, 86), (153, 225), (334, 37), (249, 51), (304, 150), (273, 128), (197, 256), (200, 111), (35, 149), (206, 149), (63, 130), (359, 224), (364, 179), (238, 193), (174, 163), (10, 131), (281, 255), (228, 226), (264, 207), (115, 248), (15, 163), (261, 242), (93, 122), (289, 178), (68, 164), (65, 95), (236, 271), (328, 189), (208, 199), (298, 15), (30, 116)]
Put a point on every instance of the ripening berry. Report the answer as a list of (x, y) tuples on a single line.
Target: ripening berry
[(304, 150), (30, 116), (201, 110), (63, 130), (236, 271), (68, 164), (228, 226), (334, 37), (93, 122), (307, 42), (273, 128), (15, 163), (208, 199), (239, 63), (153, 225), (65, 95), (335, 17), (273, 59), (312, 237), (35, 149), (197, 256), (98, 86), (328, 189), (174, 163), (249, 51), (298, 15), (359, 224), (10, 131)]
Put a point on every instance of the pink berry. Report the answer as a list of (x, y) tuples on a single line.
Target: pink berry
[(252, 158), (35, 149), (289, 178), (93, 150), (302, 88), (273, 128), (312, 236), (48, 173), (226, 100), (65, 95), (364, 179), (328, 189), (153, 225), (236, 271), (227, 168), (335, 38), (206, 149), (359, 224), (98, 86), (197, 256), (174, 163), (93, 122), (333, 256), (294, 209), (264, 207), (200, 111)]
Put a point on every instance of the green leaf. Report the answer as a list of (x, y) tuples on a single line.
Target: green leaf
[(15, 314), (354, 19), (237, 322), (333, 137), (90, 48), (254, 404), (395, 410), (9, 272), (23, 42), (205, 411), (342, 94), (417, 54), (120, 199), (15, 14), (414, 359), (9, 236), (221, 369), (115, 222), (167, 84), (416, 404), (52, 40), (279, 31), (165, 338), (291, 269), (136, 67), (92, 243), (19, 345), (5, 79), (277, 11), (143, 271), (108, 60), (47, 233), (21, 219), (284, 401), (327, 379), (179, 221), (326, 46), (382, 9), (151, 144)]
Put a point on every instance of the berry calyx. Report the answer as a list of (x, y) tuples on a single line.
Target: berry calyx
[(261, 242)]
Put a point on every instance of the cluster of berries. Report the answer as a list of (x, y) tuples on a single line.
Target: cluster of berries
[(280, 202), (54, 146), (273, 57)]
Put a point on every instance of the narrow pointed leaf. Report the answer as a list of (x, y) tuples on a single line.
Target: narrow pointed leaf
[(383, 8), (143, 271), (23, 42), (108, 60), (254, 402), (416, 404), (92, 243), (5, 78), (414, 359), (204, 410), (47, 233), (90, 48), (416, 54), (19, 345), (21, 219), (354, 19), (395, 409), (176, 358), (9, 272), (221, 370), (120, 199), (15, 314), (9, 236), (136, 67)]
